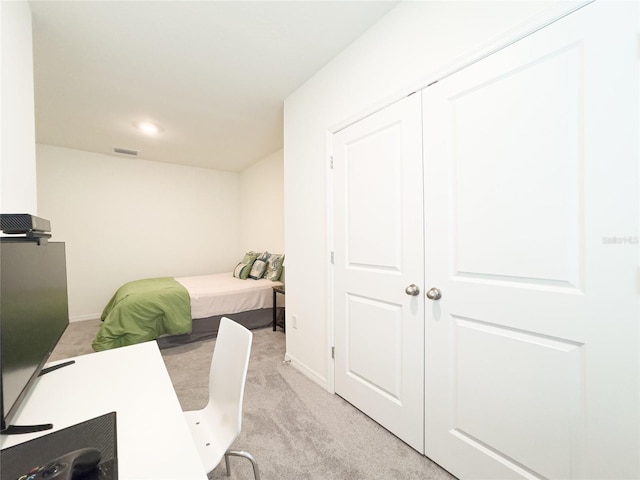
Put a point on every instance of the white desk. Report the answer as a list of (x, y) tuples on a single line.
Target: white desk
[(154, 441)]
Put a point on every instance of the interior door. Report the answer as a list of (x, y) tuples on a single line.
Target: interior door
[(531, 180), (378, 262)]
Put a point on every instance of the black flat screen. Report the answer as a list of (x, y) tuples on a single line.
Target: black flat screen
[(33, 314)]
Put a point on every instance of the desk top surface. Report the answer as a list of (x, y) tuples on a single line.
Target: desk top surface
[(154, 441)]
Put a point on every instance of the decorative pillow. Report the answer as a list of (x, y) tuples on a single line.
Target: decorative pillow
[(243, 268), (242, 271), (249, 257), (259, 266), (264, 256), (274, 267)]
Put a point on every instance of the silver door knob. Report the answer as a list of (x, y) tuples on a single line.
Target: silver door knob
[(434, 294), (412, 290)]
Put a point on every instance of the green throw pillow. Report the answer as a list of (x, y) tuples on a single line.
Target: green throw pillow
[(274, 267), (243, 268)]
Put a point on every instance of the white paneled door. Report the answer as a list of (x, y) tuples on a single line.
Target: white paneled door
[(531, 194), (378, 268)]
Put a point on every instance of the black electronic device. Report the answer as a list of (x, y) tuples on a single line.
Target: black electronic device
[(42, 454), (23, 223), (75, 465), (33, 316)]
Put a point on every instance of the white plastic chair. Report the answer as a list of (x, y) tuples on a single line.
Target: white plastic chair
[(215, 427)]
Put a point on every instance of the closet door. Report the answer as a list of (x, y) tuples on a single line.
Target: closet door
[(531, 168), (378, 262)]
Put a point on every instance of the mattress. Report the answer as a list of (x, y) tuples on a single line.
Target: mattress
[(222, 293)]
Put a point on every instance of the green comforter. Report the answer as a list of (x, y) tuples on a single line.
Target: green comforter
[(143, 310)]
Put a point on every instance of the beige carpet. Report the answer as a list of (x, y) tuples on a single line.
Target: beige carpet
[(294, 428)]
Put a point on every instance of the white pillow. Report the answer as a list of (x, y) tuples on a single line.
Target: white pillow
[(258, 268)]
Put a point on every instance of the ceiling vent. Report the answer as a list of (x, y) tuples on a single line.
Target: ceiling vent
[(126, 151)]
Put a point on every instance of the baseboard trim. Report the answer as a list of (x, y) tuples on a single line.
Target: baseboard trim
[(306, 371), (81, 318)]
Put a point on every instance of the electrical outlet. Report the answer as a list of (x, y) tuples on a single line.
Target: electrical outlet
[(294, 321)]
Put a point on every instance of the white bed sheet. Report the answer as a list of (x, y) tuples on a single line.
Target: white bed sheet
[(222, 293)]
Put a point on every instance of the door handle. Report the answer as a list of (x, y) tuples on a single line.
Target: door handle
[(412, 290), (434, 294)]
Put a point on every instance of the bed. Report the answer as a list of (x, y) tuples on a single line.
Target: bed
[(166, 307), (222, 293)]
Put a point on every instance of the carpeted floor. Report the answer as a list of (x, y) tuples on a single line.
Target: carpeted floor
[(294, 428)]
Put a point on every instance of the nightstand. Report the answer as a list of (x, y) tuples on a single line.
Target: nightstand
[(276, 290)]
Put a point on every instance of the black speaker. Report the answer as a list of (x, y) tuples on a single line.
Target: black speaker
[(23, 223)]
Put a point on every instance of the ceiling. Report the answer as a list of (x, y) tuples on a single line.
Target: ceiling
[(211, 74)]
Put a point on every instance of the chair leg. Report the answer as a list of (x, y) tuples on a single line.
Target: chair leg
[(226, 463), (248, 456)]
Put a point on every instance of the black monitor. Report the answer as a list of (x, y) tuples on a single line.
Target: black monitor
[(34, 314)]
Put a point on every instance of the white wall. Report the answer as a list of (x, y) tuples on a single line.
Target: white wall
[(125, 219), (402, 51), (262, 205), (17, 126)]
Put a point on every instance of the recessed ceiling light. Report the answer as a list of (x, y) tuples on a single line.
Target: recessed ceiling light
[(147, 127)]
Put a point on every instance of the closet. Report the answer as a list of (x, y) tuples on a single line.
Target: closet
[(480, 312)]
